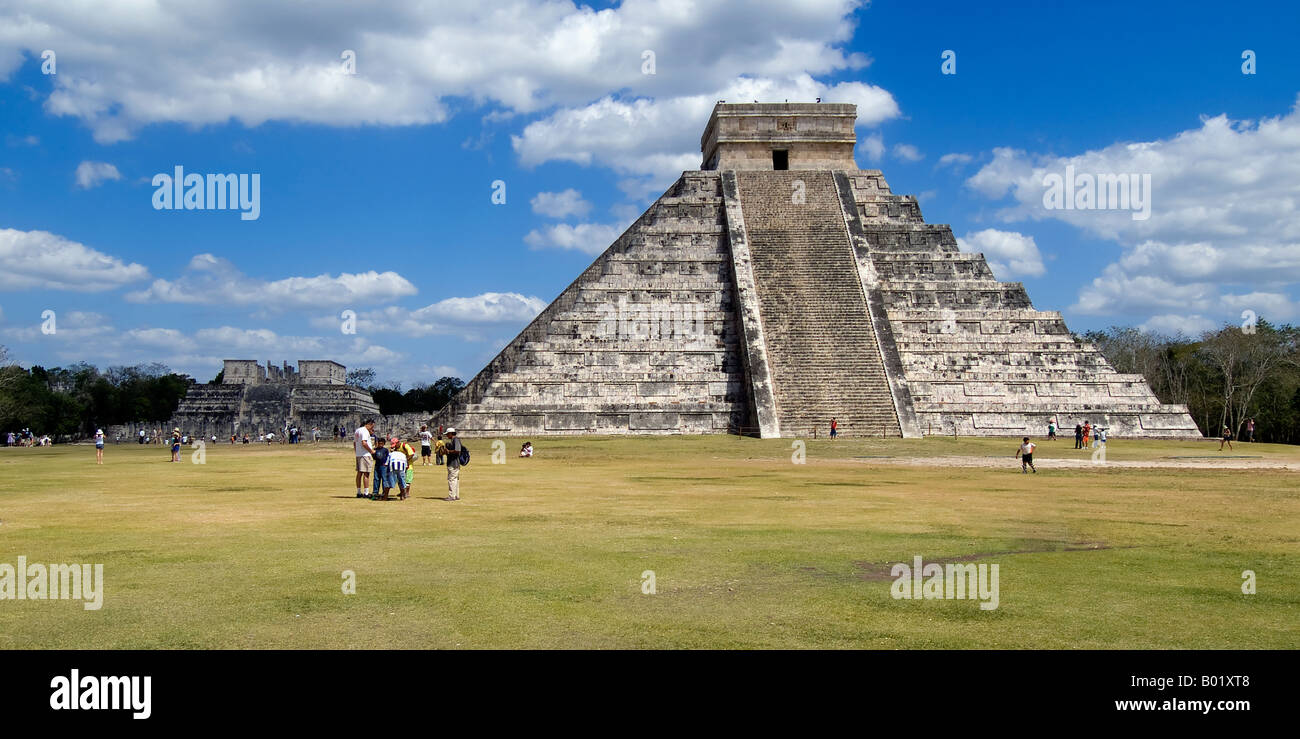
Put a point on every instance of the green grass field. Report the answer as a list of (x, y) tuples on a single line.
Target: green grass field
[(748, 549)]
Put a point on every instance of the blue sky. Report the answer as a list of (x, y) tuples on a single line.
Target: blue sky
[(376, 187)]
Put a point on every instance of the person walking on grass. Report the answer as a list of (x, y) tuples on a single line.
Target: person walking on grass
[(453, 448), (1078, 436), (176, 445), (365, 450), (835, 428), (1226, 439), (1051, 429), (1026, 455), (99, 446), (1250, 430)]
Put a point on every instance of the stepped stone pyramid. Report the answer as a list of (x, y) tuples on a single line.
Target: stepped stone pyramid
[(779, 287), (252, 399)]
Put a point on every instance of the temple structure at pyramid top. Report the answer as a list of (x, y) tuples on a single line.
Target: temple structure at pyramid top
[(773, 136), (779, 287)]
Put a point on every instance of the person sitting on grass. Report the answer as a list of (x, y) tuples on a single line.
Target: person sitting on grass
[(526, 450), (1227, 439), (1026, 455), (381, 470)]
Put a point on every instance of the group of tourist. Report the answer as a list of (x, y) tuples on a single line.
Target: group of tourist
[(1086, 434), (384, 464), (1083, 433), (27, 438)]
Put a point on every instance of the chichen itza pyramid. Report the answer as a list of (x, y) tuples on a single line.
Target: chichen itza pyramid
[(780, 286)]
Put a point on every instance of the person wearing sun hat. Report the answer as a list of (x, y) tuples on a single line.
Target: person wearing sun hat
[(454, 449)]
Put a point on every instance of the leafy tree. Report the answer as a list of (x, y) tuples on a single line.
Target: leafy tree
[(361, 377)]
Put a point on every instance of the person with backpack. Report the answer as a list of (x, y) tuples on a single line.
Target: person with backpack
[(457, 455)]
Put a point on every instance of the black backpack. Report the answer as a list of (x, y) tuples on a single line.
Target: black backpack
[(464, 456)]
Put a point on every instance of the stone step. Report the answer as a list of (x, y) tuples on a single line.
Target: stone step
[(821, 346)]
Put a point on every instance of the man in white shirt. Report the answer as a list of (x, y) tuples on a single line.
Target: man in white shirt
[(1026, 454), (365, 460), (426, 446)]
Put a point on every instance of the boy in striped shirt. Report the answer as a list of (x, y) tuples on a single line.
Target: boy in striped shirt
[(400, 455)]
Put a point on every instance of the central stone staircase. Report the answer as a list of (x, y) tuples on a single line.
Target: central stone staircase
[(821, 345)]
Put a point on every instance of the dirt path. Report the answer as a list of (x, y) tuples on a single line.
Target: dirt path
[(1046, 463)]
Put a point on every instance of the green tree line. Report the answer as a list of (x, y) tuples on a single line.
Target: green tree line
[(75, 400), (419, 399), (1224, 377)]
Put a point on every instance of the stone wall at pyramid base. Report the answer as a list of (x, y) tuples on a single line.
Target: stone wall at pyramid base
[(617, 420), (993, 419)]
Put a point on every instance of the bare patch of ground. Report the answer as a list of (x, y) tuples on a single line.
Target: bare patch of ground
[(881, 571)]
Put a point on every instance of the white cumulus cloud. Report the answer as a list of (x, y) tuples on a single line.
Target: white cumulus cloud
[(1224, 221), (465, 317), (1009, 254), (908, 153), (560, 204), (211, 280), (652, 141), (588, 238), (956, 160), (40, 259), (211, 61), (93, 174)]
